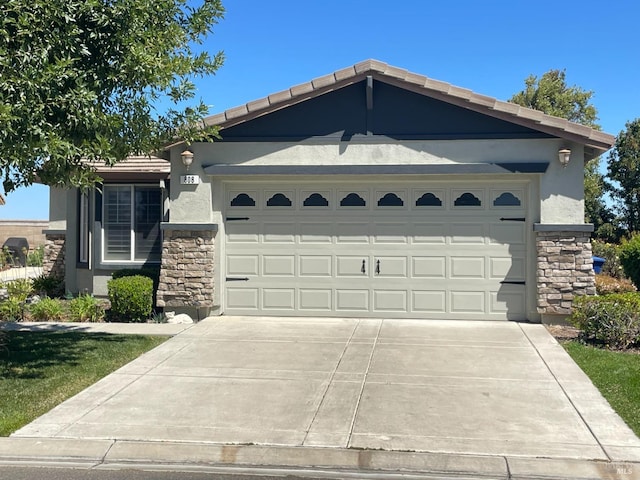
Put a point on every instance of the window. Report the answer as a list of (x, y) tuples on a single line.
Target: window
[(83, 228), (131, 223)]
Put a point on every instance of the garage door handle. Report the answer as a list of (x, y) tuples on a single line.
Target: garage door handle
[(364, 267), (237, 279), (378, 267)]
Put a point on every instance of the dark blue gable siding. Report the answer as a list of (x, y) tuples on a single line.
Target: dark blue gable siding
[(396, 113)]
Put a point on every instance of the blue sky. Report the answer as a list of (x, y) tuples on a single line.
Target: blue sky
[(488, 46)]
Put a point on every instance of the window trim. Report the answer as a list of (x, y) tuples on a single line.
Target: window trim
[(132, 261), (84, 230)]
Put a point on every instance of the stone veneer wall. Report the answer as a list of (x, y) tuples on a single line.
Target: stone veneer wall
[(186, 274), (565, 270), (54, 254)]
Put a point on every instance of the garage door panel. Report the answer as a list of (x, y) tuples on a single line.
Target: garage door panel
[(507, 268), (278, 298), (390, 300), (467, 301), (242, 264), (279, 232), (243, 232), (433, 301), (509, 299), (394, 233), (316, 232), (351, 266), (429, 233), (315, 299), (278, 265), (243, 298), (352, 300), (507, 233), (391, 267), (467, 267), (352, 232), (467, 233), (429, 267), (315, 265)]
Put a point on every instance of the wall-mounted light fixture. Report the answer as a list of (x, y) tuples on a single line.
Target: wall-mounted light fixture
[(564, 155), (187, 158)]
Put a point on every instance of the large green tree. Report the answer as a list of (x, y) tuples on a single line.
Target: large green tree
[(624, 171), (551, 94), (84, 80)]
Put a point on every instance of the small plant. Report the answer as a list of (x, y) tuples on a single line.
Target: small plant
[(630, 258), (20, 289), (35, 257), (606, 284), (613, 320), (48, 309), (12, 310), (131, 298), (49, 285), (158, 317), (86, 308)]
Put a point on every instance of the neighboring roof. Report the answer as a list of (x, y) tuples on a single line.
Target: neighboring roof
[(597, 142), (134, 167)]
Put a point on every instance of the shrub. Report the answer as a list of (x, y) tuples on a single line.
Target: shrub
[(611, 254), (131, 298), (35, 257), (49, 285), (11, 310), (86, 308), (630, 258), (20, 289), (47, 309), (613, 320), (606, 284)]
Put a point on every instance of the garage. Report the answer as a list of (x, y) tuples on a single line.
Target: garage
[(426, 250)]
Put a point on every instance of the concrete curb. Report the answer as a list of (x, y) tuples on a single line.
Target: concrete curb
[(162, 329), (322, 462)]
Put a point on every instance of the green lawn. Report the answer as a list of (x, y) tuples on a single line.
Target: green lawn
[(40, 370), (617, 376)]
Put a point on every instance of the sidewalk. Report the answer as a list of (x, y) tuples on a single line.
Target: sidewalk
[(162, 329)]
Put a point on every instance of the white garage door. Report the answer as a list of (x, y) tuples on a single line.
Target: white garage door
[(408, 251)]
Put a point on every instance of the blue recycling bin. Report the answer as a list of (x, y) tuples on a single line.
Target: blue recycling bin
[(598, 262)]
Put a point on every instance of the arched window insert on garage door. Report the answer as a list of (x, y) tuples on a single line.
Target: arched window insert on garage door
[(353, 200), (315, 200), (279, 200), (390, 200), (243, 200), (428, 200), (467, 199), (507, 199)]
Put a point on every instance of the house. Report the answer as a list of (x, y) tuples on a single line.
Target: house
[(369, 192)]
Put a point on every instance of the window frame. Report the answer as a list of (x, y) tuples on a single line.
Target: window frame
[(132, 232), (84, 233)]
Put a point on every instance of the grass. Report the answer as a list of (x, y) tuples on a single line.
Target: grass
[(617, 376), (40, 370)]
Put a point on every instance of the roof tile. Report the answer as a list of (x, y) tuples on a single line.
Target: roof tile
[(237, 112), (257, 105), (301, 89), (345, 73), (324, 81), (279, 97)]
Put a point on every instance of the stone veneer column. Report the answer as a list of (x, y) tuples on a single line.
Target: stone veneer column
[(565, 268), (186, 273), (54, 253)]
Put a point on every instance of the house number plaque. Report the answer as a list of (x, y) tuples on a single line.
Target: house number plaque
[(189, 179)]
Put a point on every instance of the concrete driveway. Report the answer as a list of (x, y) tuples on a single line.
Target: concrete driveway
[(471, 388)]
